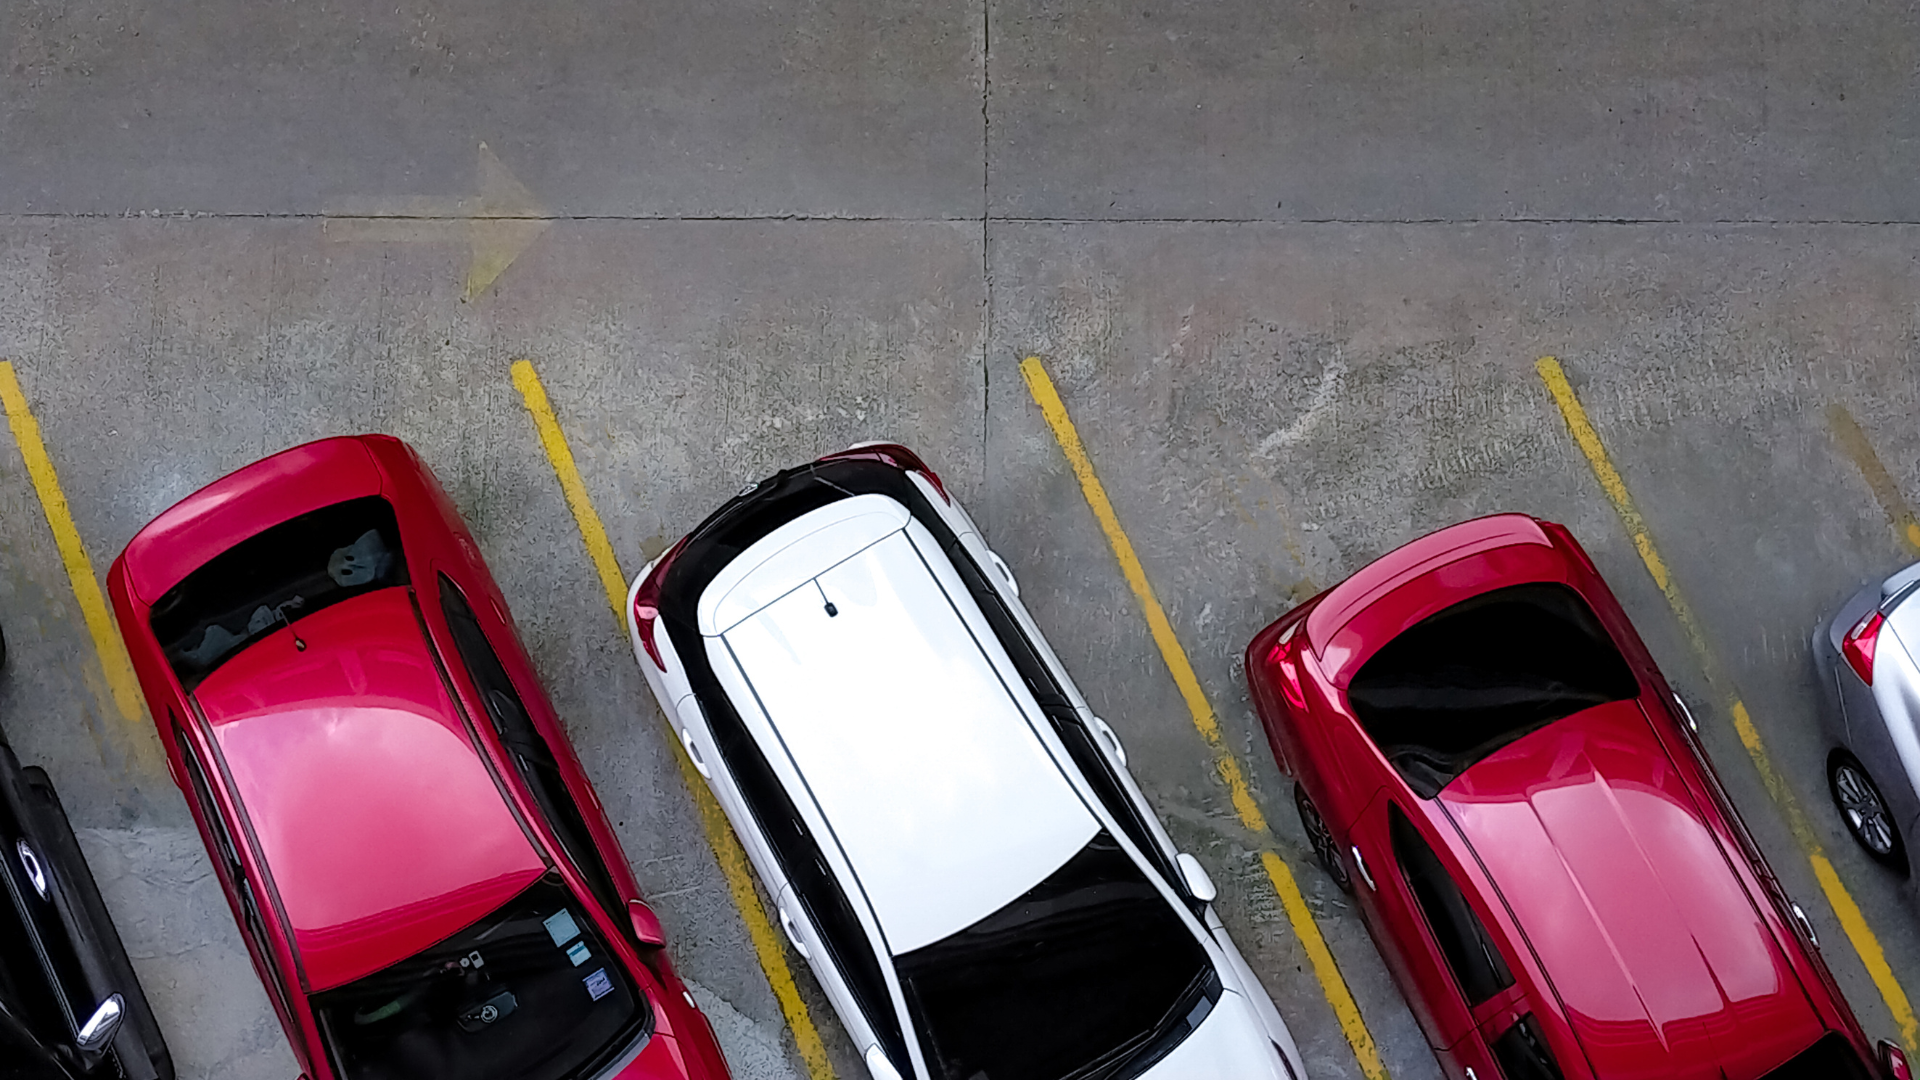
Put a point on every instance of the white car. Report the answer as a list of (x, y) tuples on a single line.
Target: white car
[(955, 843)]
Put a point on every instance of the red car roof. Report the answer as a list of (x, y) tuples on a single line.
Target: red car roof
[(382, 827), (1658, 954)]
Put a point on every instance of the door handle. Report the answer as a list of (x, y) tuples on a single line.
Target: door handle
[(693, 754), (1006, 575), (786, 923), (1360, 863), (1113, 740)]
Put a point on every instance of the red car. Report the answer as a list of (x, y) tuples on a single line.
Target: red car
[(1487, 757), (421, 871)]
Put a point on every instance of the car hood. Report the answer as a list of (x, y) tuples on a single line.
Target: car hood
[(1230, 1042), (1651, 941)]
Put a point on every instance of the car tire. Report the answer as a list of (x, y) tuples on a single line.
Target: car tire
[(1321, 837), (1864, 812)]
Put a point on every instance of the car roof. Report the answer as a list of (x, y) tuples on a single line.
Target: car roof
[(382, 827), (898, 715), (1651, 941)]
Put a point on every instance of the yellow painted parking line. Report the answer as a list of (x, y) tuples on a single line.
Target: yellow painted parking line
[(1040, 385), (1885, 491), (767, 944), (114, 662), (1859, 934)]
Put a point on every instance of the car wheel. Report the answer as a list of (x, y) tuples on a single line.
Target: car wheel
[(1322, 839), (1865, 812)]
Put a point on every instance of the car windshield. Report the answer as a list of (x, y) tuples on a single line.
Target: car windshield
[(1463, 682), (530, 992), (274, 579), (1830, 1058), (1087, 973)]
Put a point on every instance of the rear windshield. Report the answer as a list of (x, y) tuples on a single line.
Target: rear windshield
[(531, 992), (274, 579), (1463, 682), (1085, 976), (1832, 1058)]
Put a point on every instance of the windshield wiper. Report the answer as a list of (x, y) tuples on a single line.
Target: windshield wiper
[(1155, 1043)]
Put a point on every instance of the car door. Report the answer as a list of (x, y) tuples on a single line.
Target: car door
[(1432, 932)]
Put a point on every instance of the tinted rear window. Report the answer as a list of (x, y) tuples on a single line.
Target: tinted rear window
[(1832, 1058), (1463, 682), (531, 992), (274, 579), (1088, 972)]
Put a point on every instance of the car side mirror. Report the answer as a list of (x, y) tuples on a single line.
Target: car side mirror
[(879, 1066), (103, 1025), (1199, 885), (646, 925)]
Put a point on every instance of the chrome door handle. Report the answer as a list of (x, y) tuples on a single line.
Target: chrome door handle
[(1360, 863), (1687, 714), (1113, 740), (693, 754), (1006, 575), (786, 923)]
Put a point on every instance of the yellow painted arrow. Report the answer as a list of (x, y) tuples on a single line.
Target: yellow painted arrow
[(497, 225)]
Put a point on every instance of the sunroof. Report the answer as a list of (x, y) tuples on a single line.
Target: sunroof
[(1463, 682)]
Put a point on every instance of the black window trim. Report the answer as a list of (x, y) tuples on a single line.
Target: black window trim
[(201, 783), (836, 867), (1401, 825), (601, 886)]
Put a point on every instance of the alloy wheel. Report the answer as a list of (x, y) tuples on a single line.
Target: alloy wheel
[(1865, 812), (1321, 838)]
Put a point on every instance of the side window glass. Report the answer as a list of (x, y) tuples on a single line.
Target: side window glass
[(1093, 764), (1469, 949), (532, 758), (1026, 659), (1100, 773), (253, 923), (807, 871), (1523, 1054)]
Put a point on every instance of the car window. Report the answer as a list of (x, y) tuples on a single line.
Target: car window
[(1463, 939), (530, 992), (1523, 1054), (274, 579), (1074, 735), (1463, 682), (1831, 1057), (806, 869), (1076, 977), (253, 923), (532, 758)]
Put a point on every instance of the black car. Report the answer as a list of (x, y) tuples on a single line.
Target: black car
[(70, 1007)]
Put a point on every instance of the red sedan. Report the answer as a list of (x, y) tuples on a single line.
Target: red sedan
[(421, 871), (1487, 757)]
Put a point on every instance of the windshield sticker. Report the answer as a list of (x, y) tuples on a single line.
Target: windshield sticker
[(561, 927), (598, 984), (578, 953)]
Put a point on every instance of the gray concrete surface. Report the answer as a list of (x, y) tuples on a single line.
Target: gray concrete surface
[(1271, 401)]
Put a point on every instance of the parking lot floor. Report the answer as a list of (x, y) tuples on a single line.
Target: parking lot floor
[(1290, 272)]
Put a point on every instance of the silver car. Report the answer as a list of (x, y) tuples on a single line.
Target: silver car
[(1867, 657)]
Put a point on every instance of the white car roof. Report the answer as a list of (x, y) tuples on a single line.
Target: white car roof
[(917, 750)]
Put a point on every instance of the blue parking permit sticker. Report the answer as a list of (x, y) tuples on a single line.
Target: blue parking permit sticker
[(561, 927), (578, 953), (598, 985)]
